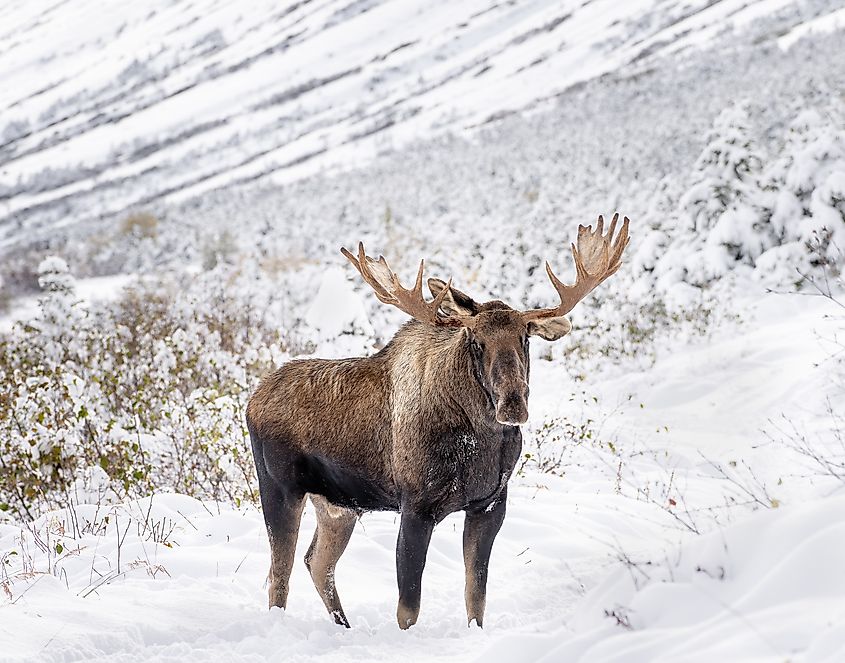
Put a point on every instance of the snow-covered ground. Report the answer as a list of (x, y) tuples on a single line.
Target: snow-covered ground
[(176, 578)]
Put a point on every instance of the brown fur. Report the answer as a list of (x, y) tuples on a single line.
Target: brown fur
[(334, 529)]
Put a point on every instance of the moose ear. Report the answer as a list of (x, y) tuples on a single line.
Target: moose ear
[(550, 329), (455, 302)]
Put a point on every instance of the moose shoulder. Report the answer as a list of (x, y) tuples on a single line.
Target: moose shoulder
[(427, 426)]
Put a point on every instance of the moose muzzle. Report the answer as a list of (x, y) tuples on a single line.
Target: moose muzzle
[(512, 405)]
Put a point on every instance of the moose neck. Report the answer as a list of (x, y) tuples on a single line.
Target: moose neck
[(436, 363)]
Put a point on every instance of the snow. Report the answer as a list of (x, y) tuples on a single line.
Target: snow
[(336, 308), (94, 289), (189, 578), (337, 318), (767, 589), (734, 594), (830, 22)]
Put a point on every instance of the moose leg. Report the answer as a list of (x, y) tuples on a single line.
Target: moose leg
[(334, 528), (480, 530), (282, 512), (411, 548)]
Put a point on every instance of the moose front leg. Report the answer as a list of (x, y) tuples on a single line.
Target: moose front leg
[(480, 530), (411, 548)]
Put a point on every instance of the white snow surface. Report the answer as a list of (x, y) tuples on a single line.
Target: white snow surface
[(188, 578), (830, 22), (337, 309)]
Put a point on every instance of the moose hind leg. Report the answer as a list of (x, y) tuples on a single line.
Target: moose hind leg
[(282, 512), (334, 528), (480, 530)]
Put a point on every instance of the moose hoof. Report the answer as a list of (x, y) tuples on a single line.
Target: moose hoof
[(278, 597), (340, 619), (406, 617)]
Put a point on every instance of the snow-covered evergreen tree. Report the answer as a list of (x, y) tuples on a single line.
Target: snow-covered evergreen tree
[(807, 194), (60, 314), (722, 212), (725, 174)]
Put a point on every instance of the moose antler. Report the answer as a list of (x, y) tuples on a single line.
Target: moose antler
[(597, 256), (378, 275)]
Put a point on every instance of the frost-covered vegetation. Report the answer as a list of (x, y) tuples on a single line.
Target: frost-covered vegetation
[(146, 393)]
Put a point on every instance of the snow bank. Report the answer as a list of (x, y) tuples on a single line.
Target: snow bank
[(770, 588), (336, 309), (829, 22)]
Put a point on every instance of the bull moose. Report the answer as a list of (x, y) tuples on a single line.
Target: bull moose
[(427, 426)]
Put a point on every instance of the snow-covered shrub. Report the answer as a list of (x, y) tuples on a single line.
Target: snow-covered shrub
[(720, 221), (150, 388), (140, 224), (807, 186), (725, 172), (39, 370), (619, 327), (779, 220)]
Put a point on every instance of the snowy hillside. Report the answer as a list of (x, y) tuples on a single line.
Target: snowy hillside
[(130, 104), (176, 180)]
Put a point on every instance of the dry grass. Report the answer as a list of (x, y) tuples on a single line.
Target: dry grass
[(140, 224)]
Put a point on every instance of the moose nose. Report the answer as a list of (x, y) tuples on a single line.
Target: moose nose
[(512, 409)]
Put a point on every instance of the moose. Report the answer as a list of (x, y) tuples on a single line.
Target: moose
[(427, 426)]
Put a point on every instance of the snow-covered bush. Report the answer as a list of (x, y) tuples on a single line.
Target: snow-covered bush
[(725, 173), (779, 220), (140, 224), (151, 389), (617, 327), (807, 186), (719, 222)]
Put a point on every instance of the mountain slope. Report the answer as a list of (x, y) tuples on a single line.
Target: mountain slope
[(134, 103)]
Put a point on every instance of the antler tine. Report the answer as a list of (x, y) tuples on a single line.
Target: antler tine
[(597, 256), (389, 290), (418, 284), (440, 296), (618, 247), (363, 264)]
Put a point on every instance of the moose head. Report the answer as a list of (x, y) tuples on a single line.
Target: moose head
[(497, 334)]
